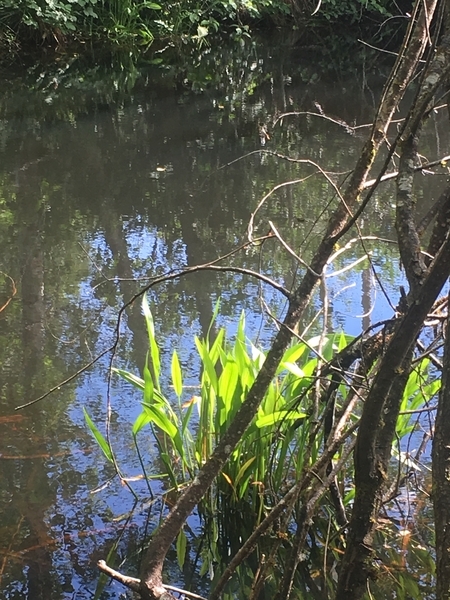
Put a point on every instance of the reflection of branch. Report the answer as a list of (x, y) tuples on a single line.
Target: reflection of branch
[(211, 266), (321, 115), (305, 161), (290, 250), (13, 293), (68, 380), (276, 155)]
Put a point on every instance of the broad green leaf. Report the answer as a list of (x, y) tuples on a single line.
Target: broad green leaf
[(207, 363), (412, 386), (240, 335), (204, 568), (101, 441), (344, 341), (257, 356), (242, 357), (159, 418), (148, 386), (181, 548), (310, 367), (276, 417), (141, 421), (177, 379), (294, 369), (157, 415), (349, 496), (131, 378), (243, 469), (214, 317), (217, 346), (227, 388), (292, 354)]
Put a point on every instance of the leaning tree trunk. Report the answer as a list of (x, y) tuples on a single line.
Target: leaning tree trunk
[(376, 432), (381, 408)]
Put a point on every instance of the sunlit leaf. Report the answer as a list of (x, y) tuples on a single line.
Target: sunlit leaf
[(208, 365), (176, 374), (148, 386), (131, 378), (214, 317), (292, 354), (227, 479), (202, 31), (276, 417), (101, 441), (227, 388), (141, 421), (154, 350), (294, 369), (150, 5), (159, 418), (243, 469)]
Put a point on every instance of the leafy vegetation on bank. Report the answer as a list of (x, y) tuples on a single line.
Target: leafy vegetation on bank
[(124, 22)]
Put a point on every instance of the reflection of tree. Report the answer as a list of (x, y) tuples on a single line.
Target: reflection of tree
[(33, 357), (32, 494), (123, 268), (33, 310)]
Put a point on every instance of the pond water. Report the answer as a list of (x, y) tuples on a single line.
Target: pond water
[(112, 173)]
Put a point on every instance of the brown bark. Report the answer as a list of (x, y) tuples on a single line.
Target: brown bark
[(442, 223), (435, 74), (376, 431)]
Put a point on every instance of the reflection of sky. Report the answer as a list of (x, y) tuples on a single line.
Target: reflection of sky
[(150, 252)]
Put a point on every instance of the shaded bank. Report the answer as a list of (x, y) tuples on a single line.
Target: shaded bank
[(30, 26)]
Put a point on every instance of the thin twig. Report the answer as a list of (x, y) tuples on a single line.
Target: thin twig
[(135, 584), (68, 380)]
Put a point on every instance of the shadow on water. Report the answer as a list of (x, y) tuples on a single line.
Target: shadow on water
[(112, 172)]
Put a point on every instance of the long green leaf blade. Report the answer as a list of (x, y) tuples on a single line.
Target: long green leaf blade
[(101, 441), (181, 548), (154, 350), (177, 378)]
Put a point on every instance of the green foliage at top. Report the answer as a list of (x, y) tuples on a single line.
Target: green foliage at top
[(126, 22)]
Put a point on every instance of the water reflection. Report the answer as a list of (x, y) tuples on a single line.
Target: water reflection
[(113, 174)]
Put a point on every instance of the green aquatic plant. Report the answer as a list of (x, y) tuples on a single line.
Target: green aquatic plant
[(285, 440), (187, 427)]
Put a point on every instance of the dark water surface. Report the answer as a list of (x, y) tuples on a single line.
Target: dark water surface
[(111, 173)]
